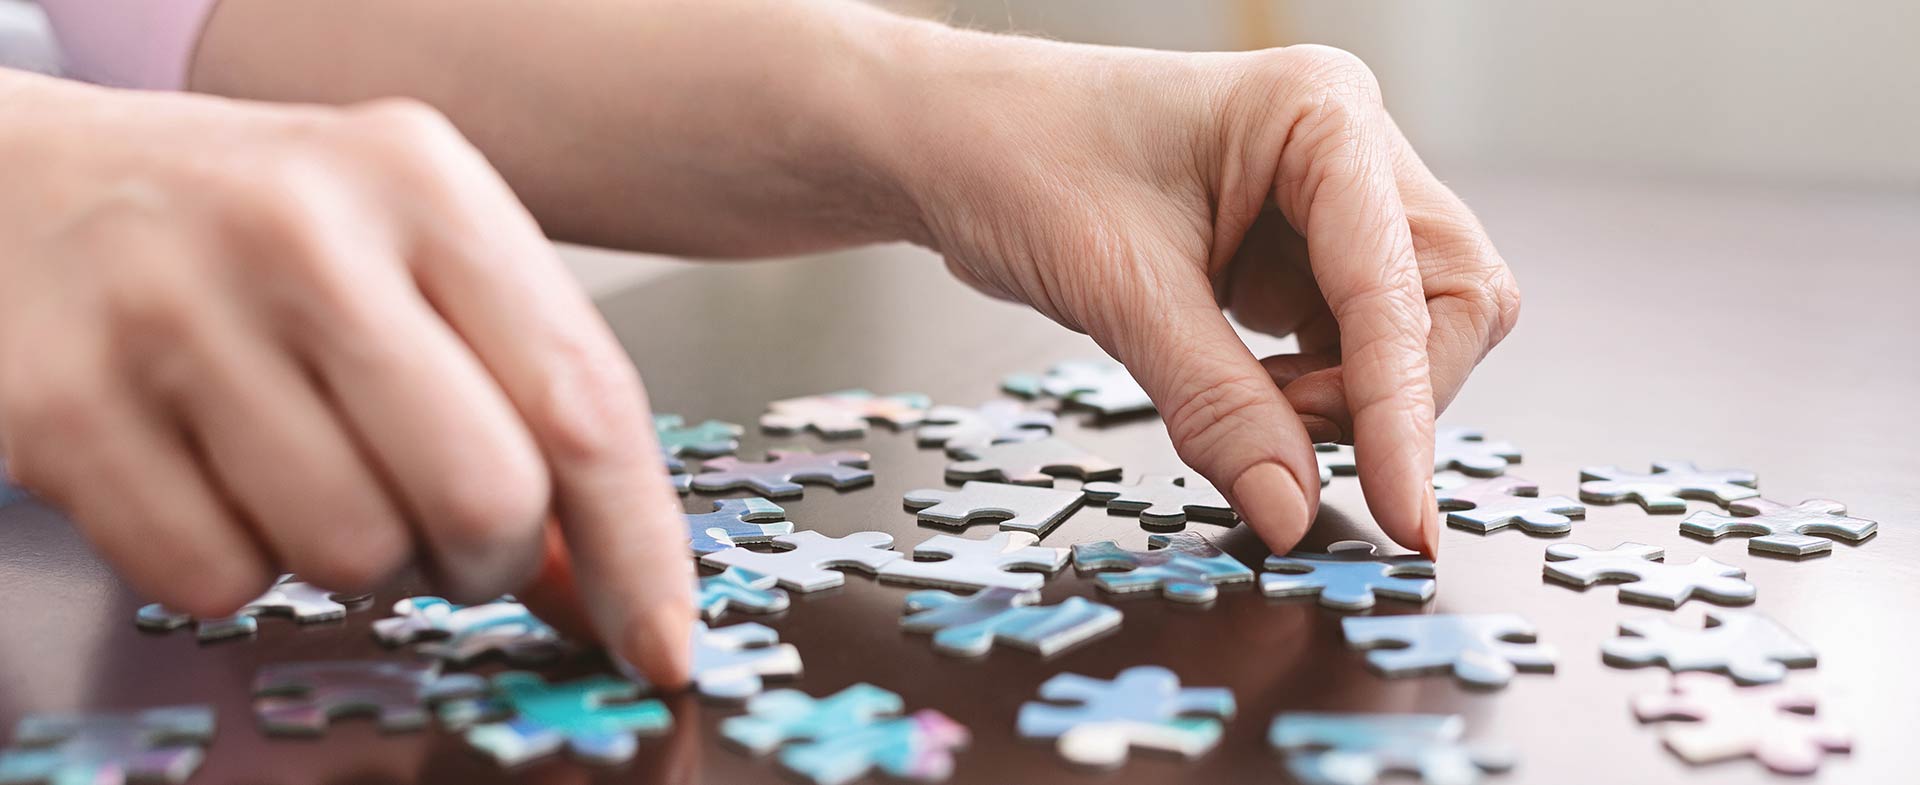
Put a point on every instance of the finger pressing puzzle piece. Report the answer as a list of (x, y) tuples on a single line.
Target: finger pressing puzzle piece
[(1348, 576), (1751, 648), (843, 414), (969, 626), (781, 475), (1017, 507), (1667, 487), (1651, 580), (1097, 721), (1778, 528), (1183, 566), (1481, 650), (1164, 501), (1774, 724)]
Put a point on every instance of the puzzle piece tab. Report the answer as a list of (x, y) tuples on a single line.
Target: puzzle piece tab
[(1144, 706), (302, 698), (1773, 723), (1667, 487), (1183, 566), (302, 602), (1017, 507), (843, 414), (969, 626), (154, 745), (978, 564), (959, 429), (598, 718), (1782, 529), (1102, 385), (736, 522), (1359, 749), (1751, 648), (838, 738), (1164, 501), (709, 439), (1348, 576), (781, 475), (737, 588), (1481, 650), (1652, 581), (1030, 463), (1467, 450), (1498, 502), (808, 559), (460, 634)]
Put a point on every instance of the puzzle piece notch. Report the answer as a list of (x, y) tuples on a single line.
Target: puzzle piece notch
[(709, 439), (1778, 528), (1746, 645), (978, 564), (303, 602), (967, 626), (1775, 724), (1097, 721), (1017, 507), (1030, 463), (781, 475), (461, 634), (153, 745), (1467, 450), (1335, 459), (739, 588), (1349, 576), (843, 414), (1481, 650), (1102, 385), (1358, 749), (1650, 579), (302, 698), (1667, 487), (808, 559), (1498, 502), (838, 738), (1183, 566), (959, 429), (1163, 500), (598, 718), (734, 522)]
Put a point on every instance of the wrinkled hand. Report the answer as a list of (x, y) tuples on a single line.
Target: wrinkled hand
[(1134, 195), (237, 339)]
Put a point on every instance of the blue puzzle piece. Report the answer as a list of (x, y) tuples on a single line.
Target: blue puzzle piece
[(838, 738), (460, 634), (1183, 566), (526, 718), (969, 626), (155, 745), (706, 440), (1482, 650), (736, 522), (1144, 706), (1357, 749), (737, 587), (1348, 576)]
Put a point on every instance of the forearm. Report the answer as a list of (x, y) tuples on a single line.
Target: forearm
[(746, 127)]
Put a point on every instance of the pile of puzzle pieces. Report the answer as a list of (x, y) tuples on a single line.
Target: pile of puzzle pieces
[(976, 593)]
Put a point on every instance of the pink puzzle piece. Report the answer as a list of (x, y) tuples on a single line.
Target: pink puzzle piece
[(1772, 723)]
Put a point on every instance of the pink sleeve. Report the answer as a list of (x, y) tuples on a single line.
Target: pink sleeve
[(145, 44)]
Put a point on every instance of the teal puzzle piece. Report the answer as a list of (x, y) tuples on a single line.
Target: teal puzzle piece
[(1183, 566), (838, 738), (969, 626), (737, 587), (706, 440), (597, 718)]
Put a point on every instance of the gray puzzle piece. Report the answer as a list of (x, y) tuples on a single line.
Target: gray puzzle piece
[(1348, 576), (737, 588), (1357, 749), (303, 602), (807, 557), (1099, 384), (781, 475), (978, 564), (1184, 567), (1652, 580), (460, 634), (1498, 502), (1467, 450), (736, 522), (302, 698), (969, 626), (1782, 529), (1335, 459), (1030, 463), (1481, 650), (843, 414), (1666, 488), (1016, 507), (959, 429), (1751, 648), (731, 663), (1097, 721), (154, 745), (1164, 501)]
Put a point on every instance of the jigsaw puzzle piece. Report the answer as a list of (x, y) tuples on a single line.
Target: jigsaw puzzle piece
[(1746, 645), (970, 625), (302, 698), (300, 601), (598, 719), (1774, 724), (1467, 450), (1016, 507), (784, 471), (1495, 503), (736, 522), (1030, 463), (677, 475), (460, 634), (1651, 580), (1184, 567), (737, 588), (1164, 501), (1096, 721), (1481, 650), (959, 429), (732, 663), (809, 560), (1349, 576), (709, 439), (1667, 487), (1101, 384), (1359, 749), (843, 414), (960, 563), (838, 738), (1778, 528), (154, 745), (781, 716), (1335, 459)]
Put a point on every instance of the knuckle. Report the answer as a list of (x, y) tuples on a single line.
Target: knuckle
[(483, 509), (354, 565), (1503, 295), (1331, 72)]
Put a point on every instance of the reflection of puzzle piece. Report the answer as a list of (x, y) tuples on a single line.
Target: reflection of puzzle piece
[(303, 602), (1482, 650), (843, 414), (302, 698), (1335, 459), (807, 561), (1746, 645), (968, 626), (461, 634), (1163, 500), (781, 475), (1771, 723), (1467, 450), (1782, 529), (736, 522), (835, 739), (1667, 487), (737, 588), (1498, 502), (525, 717), (709, 439), (1017, 507), (155, 745), (959, 428), (1144, 706), (1183, 566), (1357, 749), (978, 564), (1348, 576), (1102, 385), (1030, 463), (1652, 581)]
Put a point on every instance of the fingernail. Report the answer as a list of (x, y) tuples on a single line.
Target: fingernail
[(1273, 504), (1430, 524)]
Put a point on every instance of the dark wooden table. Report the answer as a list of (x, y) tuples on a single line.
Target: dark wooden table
[(1761, 329)]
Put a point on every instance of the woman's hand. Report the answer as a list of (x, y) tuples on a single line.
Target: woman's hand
[(237, 339), (1134, 195)]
